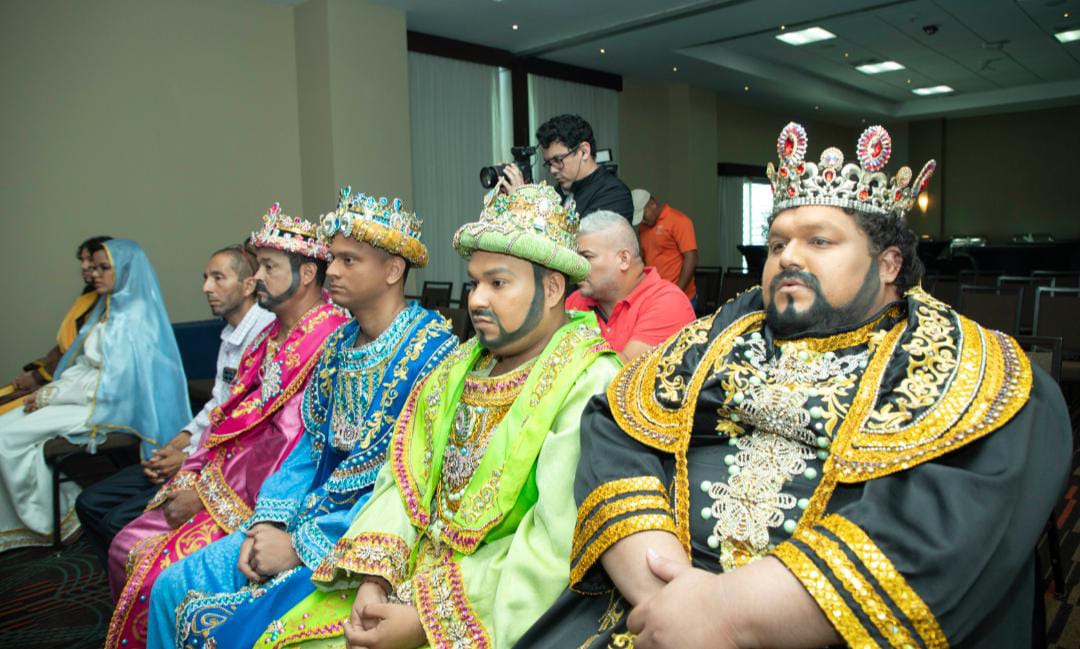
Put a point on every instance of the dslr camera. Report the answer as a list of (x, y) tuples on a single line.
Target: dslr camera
[(489, 176)]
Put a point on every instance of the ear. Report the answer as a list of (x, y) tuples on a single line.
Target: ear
[(586, 148), (308, 272), (890, 261), (554, 289), (624, 259), (248, 286), (394, 269)]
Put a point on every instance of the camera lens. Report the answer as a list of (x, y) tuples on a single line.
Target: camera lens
[(489, 176)]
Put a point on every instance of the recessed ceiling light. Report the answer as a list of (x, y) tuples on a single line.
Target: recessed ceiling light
[(909, 80), (805, 36), (746, 88), (603, 51), (932, 90), (514, 27), (1068, 36), (817, 107), (782, 27), (675, 69), (1067, 14), (845, 55), (878, 68)]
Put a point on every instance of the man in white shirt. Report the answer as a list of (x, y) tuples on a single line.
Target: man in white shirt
[(229, 285)]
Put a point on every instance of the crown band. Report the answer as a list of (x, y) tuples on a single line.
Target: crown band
[(380, 223), (289, 234)]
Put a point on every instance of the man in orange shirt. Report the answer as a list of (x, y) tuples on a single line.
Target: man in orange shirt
[(635, 308), (667, 241)]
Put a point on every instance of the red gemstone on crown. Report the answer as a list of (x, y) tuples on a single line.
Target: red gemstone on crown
[(789, 145), (783, 171), (801, 169), (791, 192), (863, 195), (896, 196), (828, 175), (875, 149)]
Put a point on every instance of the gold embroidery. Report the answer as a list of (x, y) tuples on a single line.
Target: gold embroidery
[(223, 504), (842, 340), (893, 583), (368, 553), (862, 591), (828, 599), (614, 533)]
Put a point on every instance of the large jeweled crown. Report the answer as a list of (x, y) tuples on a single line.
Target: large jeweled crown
[(380, 222), (289, 234), (863, 186), (532, 224)]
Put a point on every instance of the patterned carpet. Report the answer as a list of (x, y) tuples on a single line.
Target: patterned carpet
[(61, 600)]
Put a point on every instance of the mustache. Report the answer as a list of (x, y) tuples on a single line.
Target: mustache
[(261, 287), (483, 313), (806, 278)]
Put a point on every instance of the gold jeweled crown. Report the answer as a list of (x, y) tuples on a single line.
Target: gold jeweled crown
[(531, 224), (289, 234), (382, 223), (863, 186)]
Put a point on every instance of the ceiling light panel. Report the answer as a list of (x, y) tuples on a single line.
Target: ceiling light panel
[(805, 36), (878, 68), (932, 90), (1069, 36)]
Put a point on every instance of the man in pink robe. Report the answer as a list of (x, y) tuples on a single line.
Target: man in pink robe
[(251, 433)]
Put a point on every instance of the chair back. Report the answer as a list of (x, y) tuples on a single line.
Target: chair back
[(992, 306), (436, 294), (1044, 351), (460, 323), (466, 290), (735, 281), (199, 341), (707, 280), (1057, 313), (1029, 284)]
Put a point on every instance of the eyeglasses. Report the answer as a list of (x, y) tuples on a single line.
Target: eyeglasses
[(98, 268), (557, 160)]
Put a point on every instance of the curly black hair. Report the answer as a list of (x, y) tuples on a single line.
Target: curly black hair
[(884, 232), (92, 245), (571, 130)]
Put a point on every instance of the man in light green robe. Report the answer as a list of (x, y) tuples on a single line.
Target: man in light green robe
[(466, 539)]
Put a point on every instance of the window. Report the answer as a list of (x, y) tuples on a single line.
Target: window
[(757, 203)]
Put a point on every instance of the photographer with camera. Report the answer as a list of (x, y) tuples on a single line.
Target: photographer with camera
[(568, 146)]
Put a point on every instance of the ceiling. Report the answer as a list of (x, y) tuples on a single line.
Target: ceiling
[(997, 55)]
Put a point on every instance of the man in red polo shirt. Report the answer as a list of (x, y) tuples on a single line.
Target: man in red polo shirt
[(667, 239), (636, 308)]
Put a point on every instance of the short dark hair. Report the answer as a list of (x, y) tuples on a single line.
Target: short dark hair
[(540, 272), (92, 245), (571, 130), (243, 260), (296, 260), (885, 232)]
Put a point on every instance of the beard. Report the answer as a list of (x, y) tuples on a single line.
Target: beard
[(531, 322), (268, 300), (788, 323)]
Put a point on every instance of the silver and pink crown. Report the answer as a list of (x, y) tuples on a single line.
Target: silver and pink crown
[(863, 186), (289, 234)]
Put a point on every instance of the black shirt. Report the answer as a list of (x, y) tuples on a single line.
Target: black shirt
[(601, 190)]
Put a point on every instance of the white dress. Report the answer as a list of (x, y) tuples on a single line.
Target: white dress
[(26, 516)]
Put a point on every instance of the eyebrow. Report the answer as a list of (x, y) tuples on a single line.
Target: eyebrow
[(499, 269)]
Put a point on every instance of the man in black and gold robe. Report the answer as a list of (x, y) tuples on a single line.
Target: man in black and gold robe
[(833, 458)]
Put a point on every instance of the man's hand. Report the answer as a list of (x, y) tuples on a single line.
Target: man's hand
[(30, 402), (25, 381), (683, 613), (181, 506), (163, 464), (393, 626), (511, 179), (272, 551), (244, 564)]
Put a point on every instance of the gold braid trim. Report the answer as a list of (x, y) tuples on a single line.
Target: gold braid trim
[(991, 384), (838, 613), (223, 504), (860, 589), (613, 533), (368, 553), (894, 584), (611, 511), (621, 487)]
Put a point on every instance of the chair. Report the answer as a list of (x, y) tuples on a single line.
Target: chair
[(1029, 284), (1057, 313), (436, 294), (707, 280), (460, 323), (1046, 352), (973, 277), (946, 288), (466, 290), (735, 281), (198, 342), (1060, 278), (991, 306)]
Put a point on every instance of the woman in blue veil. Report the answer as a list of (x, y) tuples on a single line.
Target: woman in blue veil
[(122, 374)]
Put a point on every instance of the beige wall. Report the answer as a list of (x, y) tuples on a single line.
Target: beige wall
[(176, 124), (1011, 173)]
